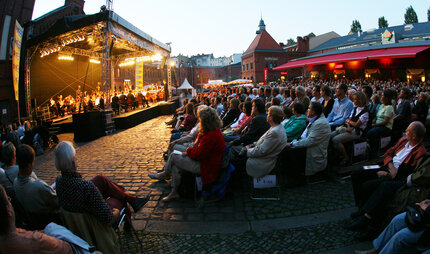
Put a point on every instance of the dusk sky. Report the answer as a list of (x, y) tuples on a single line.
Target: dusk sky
[(224, 27)]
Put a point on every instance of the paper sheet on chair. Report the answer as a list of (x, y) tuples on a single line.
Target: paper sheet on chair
[(268, 181)]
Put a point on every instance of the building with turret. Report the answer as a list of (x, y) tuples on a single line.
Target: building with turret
[(262, 55)]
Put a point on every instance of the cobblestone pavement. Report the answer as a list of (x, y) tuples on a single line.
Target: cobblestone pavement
[(128, 156)]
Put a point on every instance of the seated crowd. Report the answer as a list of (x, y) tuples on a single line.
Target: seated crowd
[(34, 134), (293, 127), (70, 213), (288, 128)]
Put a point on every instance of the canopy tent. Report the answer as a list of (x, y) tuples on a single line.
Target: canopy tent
[(215, 83), (185, 85), (240, 81)]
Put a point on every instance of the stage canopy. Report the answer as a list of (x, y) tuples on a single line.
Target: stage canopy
[(60, 57), (394, 52)]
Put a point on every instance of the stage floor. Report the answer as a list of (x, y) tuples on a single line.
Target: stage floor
[(126, 119)]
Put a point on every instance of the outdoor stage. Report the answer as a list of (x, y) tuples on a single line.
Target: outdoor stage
[(128, 119)]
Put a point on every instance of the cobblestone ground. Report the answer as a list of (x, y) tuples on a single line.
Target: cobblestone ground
[(128, 156), (315, 239)]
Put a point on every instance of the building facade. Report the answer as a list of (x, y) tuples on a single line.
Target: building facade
[(263, 53)]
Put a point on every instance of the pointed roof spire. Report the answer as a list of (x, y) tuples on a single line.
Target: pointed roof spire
[(261, 25)]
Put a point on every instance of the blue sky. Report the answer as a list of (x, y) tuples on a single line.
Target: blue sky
[(224, 27)]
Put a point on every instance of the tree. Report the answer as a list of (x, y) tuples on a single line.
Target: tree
[(356, 26), (411, 16), (428, 14), (290, 42), (382, 22)]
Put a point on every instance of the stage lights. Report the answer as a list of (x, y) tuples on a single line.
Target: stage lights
[(72, 39), (127, 62), (48, 51), (156, 58), (95, 61), (131, 61), (66, 57)]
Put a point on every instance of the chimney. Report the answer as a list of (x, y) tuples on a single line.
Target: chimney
[(77, 3)]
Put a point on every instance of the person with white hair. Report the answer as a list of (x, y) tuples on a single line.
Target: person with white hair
[(254, 94), (301, 97), (99, 197)]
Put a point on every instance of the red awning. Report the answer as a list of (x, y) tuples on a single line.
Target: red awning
[(406, 52)]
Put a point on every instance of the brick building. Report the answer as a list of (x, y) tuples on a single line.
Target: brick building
[(264, 52), (10, 11), (198, 75)]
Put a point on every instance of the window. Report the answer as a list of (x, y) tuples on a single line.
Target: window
[(252, 66), (247, 66), (243, 67)]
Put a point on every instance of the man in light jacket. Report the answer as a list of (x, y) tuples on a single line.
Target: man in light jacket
[(315, 139)]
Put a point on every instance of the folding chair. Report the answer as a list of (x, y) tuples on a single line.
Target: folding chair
[(217, 189), (265, 188), (359, 150), (90, 229), (384, 143), (123, 219)]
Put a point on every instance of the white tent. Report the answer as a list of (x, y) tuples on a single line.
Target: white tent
[(186, 85)]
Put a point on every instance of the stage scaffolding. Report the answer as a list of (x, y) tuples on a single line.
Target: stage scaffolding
[(104, 36)]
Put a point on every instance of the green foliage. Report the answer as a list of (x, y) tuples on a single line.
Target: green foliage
[(356, 26), (382, 22), (428, 14), (411, 16), (290, 42)]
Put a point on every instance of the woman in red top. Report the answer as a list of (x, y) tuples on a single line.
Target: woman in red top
[(203, 158)]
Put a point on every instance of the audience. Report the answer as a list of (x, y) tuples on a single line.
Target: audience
[(232, 113), (315, 139), (374, 188), (37, 198), (356, 125), (16, 240), (99, 197), (384, 121), (328, 101), (204, 158), (297, 122), (342, 107), (301, 97), (263, 155), (420, 110), (256, 128), (398, 235)]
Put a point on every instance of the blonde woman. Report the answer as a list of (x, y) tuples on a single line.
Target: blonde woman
[(356, 125)]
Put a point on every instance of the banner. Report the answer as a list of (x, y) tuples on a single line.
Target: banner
[(139, 75), (266, 74), (16, 53)]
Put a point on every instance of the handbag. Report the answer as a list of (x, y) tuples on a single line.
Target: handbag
[(415, 218)]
